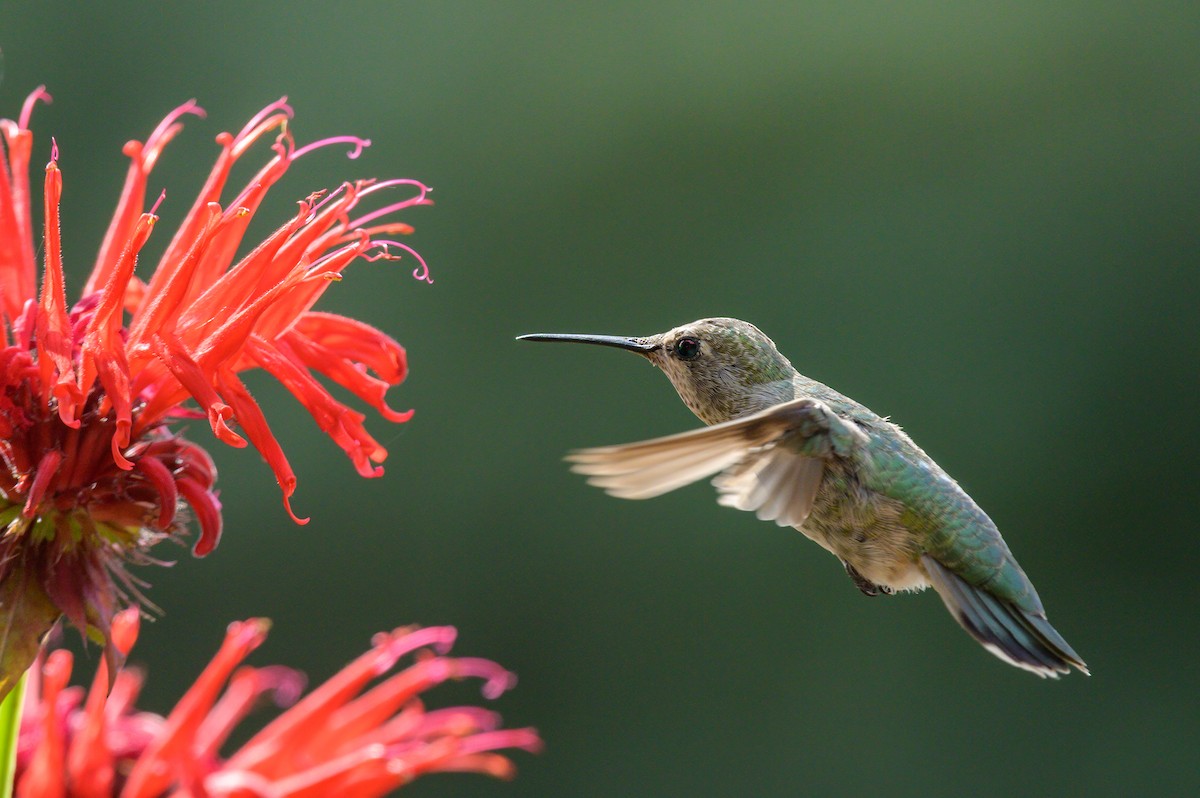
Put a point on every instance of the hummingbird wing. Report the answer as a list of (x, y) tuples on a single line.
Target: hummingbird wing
[(772, 460), (774, 483)]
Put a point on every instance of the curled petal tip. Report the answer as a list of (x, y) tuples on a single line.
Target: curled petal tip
[(37, 94), (397, 416), (217, 417), (385, 253), (287, 505), (123, 462), (497, 680), (192, 107), (439, 638), (357, 145)]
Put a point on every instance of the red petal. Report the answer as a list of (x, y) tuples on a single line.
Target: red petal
[(90, 760), (133, 194), (54, 340), (357, 341), (245, 691), (293, 726), (102, 354), (17, 266), (317, 277), (157, 767), (225, 292), (190, 230), (195, 381), (251, 417), (339, 422), (159, 310), (160, 477), (342, 349), (47, 469), (46, 775), (207, 509)]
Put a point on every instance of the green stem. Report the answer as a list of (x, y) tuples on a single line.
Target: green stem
[(10, 729)]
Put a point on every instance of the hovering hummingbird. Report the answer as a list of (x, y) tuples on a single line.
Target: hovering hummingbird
[(797, 452)]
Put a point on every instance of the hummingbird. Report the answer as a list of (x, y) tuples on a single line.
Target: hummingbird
[(795, 451)]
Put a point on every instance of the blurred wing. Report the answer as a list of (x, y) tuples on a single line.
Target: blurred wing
[(776, 485), (772, 460), (651, 468)]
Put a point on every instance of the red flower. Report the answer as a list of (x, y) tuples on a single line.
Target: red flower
[(92, 474), (341, 739)]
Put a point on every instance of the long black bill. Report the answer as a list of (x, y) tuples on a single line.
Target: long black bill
[(639, 345)]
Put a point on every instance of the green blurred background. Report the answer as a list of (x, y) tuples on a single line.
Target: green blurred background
[(980, 219)]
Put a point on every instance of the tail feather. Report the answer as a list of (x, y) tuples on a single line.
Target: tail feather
[(1021, 638)]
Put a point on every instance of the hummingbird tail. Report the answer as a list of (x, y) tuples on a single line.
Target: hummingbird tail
[(1019, 637)]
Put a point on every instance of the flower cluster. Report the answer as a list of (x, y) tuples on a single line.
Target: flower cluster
[(344, 738), (93, 474)]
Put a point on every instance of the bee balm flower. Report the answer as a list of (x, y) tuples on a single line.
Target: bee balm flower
[(93, 475), (353, 736)]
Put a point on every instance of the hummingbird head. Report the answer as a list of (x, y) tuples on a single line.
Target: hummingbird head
[(721, 367)]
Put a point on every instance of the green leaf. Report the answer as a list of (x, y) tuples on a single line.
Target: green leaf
[(26, 614)]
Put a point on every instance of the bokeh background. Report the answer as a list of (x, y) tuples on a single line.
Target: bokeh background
[(980, 219)]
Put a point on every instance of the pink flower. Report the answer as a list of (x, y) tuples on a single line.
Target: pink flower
[(93, 474), (342, 739)]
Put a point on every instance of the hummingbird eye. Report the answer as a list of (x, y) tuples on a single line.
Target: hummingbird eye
[(687, 348)]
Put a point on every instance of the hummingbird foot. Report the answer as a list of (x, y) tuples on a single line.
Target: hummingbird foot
[(868, 587)]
